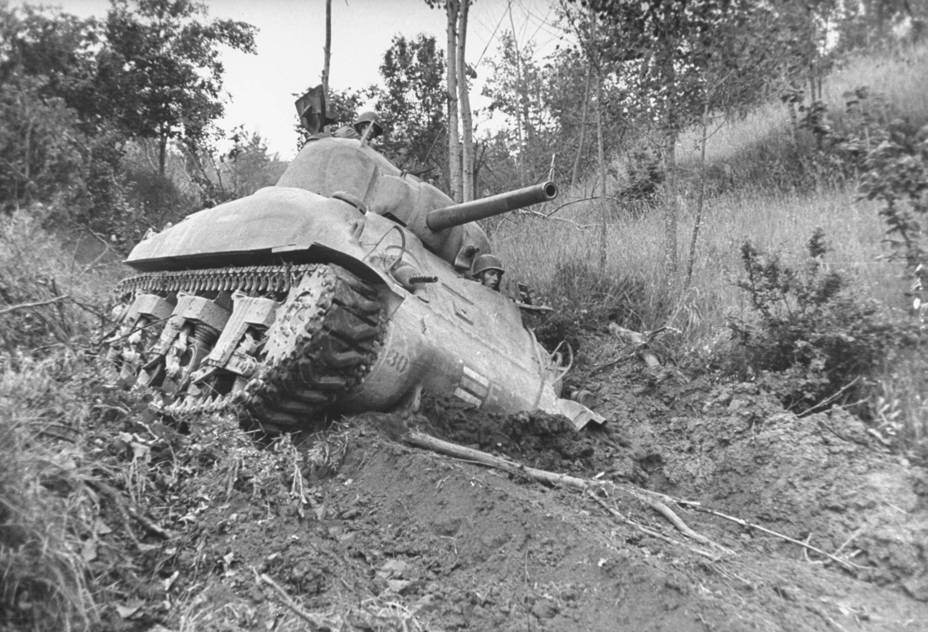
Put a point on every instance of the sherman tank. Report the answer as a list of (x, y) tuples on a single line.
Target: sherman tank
[(344, 288)]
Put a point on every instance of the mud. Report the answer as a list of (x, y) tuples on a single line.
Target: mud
[(363, 532)]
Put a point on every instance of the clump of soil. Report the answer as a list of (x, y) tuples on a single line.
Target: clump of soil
[(537, 439)]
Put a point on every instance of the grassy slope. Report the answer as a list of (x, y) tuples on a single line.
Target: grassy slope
[(772, 219), (758, 155)]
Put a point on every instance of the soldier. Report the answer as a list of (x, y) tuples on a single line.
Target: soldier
[(488, 270), (364, 128)]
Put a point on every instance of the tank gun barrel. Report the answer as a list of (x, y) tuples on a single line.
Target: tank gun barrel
[(464, 212)]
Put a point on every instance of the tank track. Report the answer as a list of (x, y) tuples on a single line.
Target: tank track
[(277, 345)]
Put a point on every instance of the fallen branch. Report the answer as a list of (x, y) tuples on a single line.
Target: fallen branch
[(850, 566), (423, 440), (15, 308), (675, 520), (149, 524), (651, 532), (126, 511), (429, 442), (315, 622)]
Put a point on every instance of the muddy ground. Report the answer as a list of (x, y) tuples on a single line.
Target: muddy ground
[(354, 529)]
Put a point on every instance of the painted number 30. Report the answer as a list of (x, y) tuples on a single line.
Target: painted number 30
[(397, 360)]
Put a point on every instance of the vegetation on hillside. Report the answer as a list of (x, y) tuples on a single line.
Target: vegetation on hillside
[(798, 201)]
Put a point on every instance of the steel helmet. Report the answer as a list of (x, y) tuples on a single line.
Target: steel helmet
[(487, 262), (368, 117)]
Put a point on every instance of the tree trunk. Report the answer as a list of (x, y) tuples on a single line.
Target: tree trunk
[(27, 163), (671, 211), (670, 205), (162, 151), (601, 154), (691, 260), (467, 126), (521, 115), (603, 210), (583, 115), (327, 51), (454, 145)]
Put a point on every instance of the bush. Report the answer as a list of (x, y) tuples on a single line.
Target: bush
[(811, 339)]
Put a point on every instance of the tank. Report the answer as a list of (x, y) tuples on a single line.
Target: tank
[(344, 288)]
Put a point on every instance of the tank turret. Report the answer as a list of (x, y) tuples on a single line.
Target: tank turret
[(464, 212)]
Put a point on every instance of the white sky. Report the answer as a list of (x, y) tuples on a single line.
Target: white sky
[(291, 36)]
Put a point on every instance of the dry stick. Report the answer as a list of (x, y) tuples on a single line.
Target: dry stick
[(559, 219), (126, 511), (314, 621), (114, 496), (828, 399), (50, 301), (656, 534), (429, 442), (675, 520), (640, 341), (850, 566), (149, 524), (612, 363)]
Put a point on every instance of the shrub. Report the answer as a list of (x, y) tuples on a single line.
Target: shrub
[(896, 175), (811, 339)]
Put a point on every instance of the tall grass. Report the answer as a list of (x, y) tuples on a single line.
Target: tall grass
[(772, 217), (535, 248), (52, 297), (902, 78), (47, 508)]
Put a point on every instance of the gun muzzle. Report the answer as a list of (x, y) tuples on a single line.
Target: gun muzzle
[(458, 214)]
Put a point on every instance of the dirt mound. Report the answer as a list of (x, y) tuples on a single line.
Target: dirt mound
[(821, 479), (357, 531), (353, 529)]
